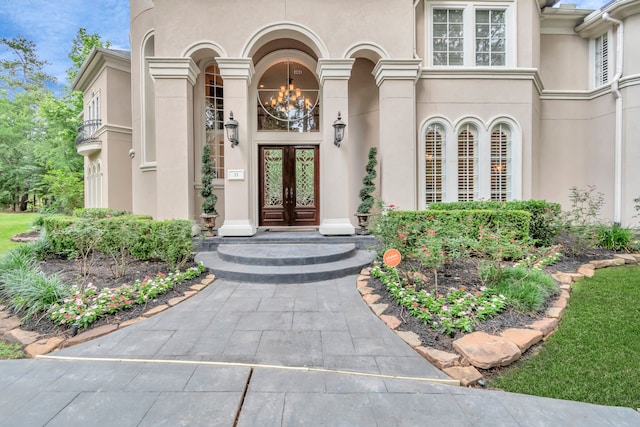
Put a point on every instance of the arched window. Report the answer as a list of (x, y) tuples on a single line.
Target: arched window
[(214, 118), (501, 163), (467, 163), (434, 154), (288, 99)]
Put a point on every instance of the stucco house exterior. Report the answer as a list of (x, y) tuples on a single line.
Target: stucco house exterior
[(464, 100)]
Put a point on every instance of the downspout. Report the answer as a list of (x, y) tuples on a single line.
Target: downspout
[(617, 210)]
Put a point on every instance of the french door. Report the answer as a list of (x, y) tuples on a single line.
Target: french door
[(289, 181)]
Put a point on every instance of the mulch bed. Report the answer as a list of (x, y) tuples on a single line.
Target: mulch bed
[(464, 272), (101, 276)]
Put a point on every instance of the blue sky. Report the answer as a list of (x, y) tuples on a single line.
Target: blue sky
[(52, 25)]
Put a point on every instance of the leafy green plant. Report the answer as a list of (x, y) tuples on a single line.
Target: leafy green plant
[(209, 198), (172, 242), (615, 237), (582, 218), (544, 225), (526, 289), (368, 186), (88, 304), (24, 287), (86, 237), (457, 309), (117, 239)]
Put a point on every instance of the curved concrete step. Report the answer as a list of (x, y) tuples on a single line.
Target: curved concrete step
[(285, 254), (285, 273)]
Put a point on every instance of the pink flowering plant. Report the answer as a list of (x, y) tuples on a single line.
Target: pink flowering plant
[(87, 304), (457, 309)]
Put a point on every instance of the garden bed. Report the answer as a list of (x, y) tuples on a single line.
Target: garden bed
[(101, 276)]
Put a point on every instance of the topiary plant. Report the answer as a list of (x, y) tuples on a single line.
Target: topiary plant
[(209, 199), (366, 193)]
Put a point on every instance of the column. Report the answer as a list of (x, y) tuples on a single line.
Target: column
[(334, 174), (237, 74), (398, 163), (174, 79)]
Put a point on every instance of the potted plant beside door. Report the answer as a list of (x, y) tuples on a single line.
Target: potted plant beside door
[(209, 199), (366, 192)]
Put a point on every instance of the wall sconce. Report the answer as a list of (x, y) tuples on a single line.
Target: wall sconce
[(338, 127), (232, 130)]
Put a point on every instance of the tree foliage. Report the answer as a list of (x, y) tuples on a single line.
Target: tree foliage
[(38, 127)]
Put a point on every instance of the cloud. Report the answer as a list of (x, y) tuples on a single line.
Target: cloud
[(52, 26)]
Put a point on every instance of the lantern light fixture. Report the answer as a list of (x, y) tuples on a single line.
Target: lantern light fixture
[(338, 127), (232, 130)]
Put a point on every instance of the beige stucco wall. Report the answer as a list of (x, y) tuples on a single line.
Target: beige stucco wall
[(577, 149), (363, 125), (564, 63), (144, 180), (565, 130), (338, 24)]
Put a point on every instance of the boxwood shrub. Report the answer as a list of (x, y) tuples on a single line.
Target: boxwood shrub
[(545, 216)]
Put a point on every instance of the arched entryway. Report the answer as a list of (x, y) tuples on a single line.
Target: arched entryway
[(288, 139)]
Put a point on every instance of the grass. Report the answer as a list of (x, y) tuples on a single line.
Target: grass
[(593, 357), (10, 351), (12, 224)]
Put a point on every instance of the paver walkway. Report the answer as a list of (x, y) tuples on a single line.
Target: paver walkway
[(260, 355)]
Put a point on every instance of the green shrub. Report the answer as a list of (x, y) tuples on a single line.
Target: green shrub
[(525, 289), (544, 225), (615, 237), (98, 213), (118, 236), (58, 242), (459, 230), (172, 241)]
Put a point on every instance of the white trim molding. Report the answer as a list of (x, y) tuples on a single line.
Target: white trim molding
[(174, 68), (397, 69)]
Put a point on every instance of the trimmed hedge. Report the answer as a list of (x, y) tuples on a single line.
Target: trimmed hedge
[(545, 215), (402, 229), (97, 213), (137, 235)]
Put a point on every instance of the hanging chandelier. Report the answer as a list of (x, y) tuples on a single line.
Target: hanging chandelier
[(289, 106)]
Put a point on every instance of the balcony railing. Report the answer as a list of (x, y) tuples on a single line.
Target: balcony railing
[(86, 132)]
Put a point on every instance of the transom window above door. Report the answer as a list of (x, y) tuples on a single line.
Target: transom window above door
[(288, 99)]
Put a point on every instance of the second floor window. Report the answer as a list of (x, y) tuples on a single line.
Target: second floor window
[(601, 60), (468, 36)]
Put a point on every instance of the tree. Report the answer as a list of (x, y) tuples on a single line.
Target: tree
[(23, 84), (368, 186), (209, 199)]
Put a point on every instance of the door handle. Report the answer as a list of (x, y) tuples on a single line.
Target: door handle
[(286, 195)]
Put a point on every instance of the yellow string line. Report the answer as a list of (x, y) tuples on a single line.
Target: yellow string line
[(251, 365)]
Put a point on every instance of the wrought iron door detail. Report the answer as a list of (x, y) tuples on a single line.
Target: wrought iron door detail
[(272, 163), (305, 174)]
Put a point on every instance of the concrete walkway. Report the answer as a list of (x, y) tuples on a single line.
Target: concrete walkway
[(261, 355)]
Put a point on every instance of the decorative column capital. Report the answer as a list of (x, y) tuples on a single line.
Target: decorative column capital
[(334, 69), (173, 68), (236, 68), (397, 69)]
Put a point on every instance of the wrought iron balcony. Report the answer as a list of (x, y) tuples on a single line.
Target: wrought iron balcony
[(86, 141)]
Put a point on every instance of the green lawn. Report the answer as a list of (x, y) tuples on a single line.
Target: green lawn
[(595, 354), (12, 224)]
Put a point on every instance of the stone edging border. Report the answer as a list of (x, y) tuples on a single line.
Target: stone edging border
[(10, 325), (479, 350)]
